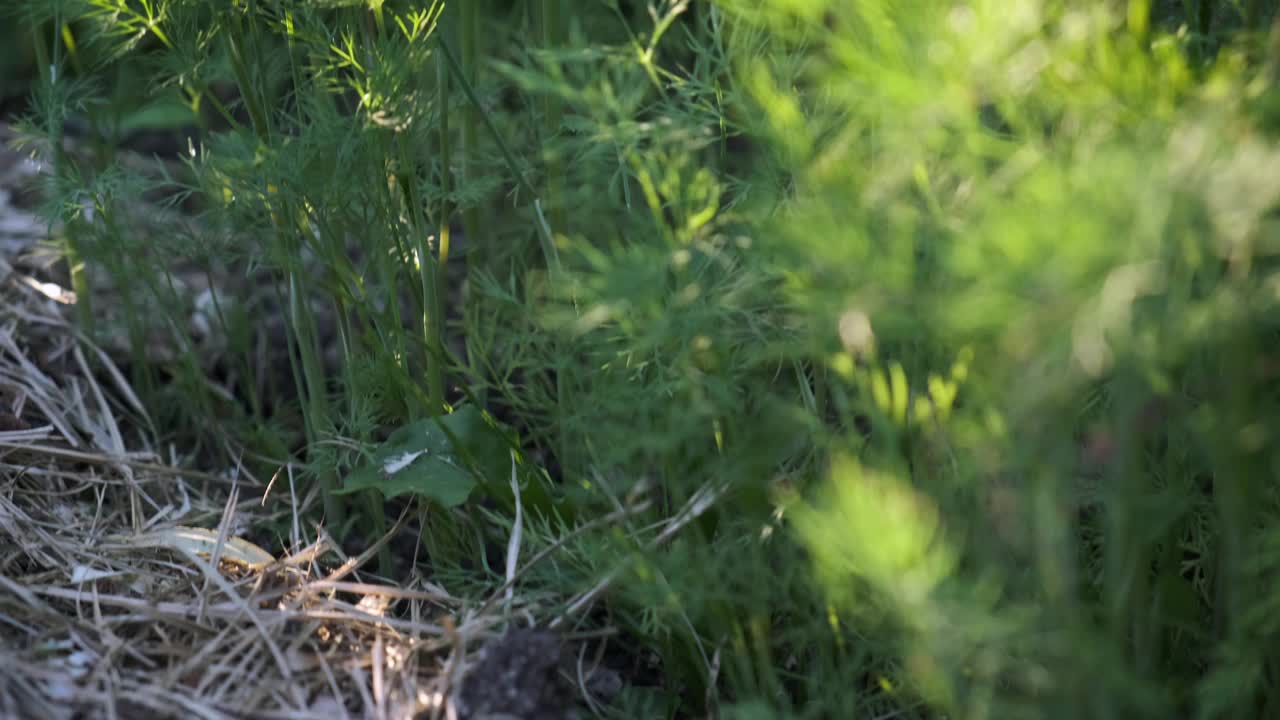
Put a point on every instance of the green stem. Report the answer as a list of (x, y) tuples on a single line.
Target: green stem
[(472, 220), (456, 69), (239, 68), (312, 387), (552, 116), (544, 230), (49, 59), (241, 346), (479, 255), (432, 269)]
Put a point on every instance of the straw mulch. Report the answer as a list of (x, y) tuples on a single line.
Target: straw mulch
[(126, 590)]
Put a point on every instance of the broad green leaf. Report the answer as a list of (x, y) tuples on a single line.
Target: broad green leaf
[(440, 458)]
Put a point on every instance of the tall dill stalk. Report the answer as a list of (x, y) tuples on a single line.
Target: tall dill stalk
[(552, 115), (433, 269), (49, 62), (469, 48)]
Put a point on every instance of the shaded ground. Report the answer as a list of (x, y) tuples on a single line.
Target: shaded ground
[(127, 591)]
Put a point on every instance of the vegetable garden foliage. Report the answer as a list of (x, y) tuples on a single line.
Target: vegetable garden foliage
[(945, 333)]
